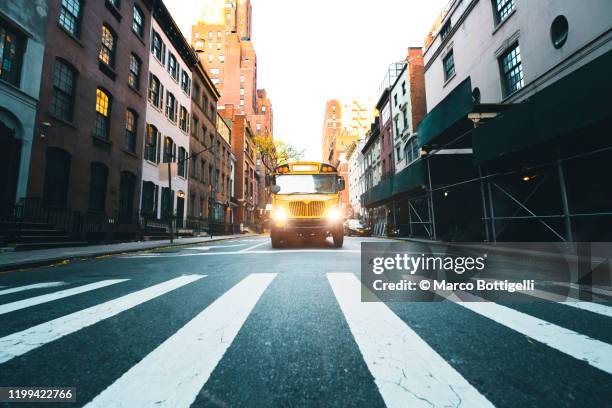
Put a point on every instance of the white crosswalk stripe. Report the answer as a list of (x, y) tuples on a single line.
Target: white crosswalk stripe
[(22, 304), (19, 343), (407, 371), (188, 357), (566, 301), (30, 287), (592, 351)]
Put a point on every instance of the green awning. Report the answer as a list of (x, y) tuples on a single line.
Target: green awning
[(444, 116), (406, 180), (580, 99)]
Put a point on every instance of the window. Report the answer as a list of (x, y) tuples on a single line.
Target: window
[(173, 66), (182, 156), (512, 70), (169, 150), (184, 119), (196, 93), (411, 150), (194, 126), (103, 110), (109, 43), (171, 107), (263, 108), (192, 167), (138, 22), (241, 91), (127, 187), (445, 30), (449, 65), (158, 47), (202, 171), (62, 101), (210, 57), (214, 71), (70, 16), (134, 74), (502, 9), (221, 58), (185, 82), (131, 126), (404, 88), (11, 54), (405, 116), (395, 99), (241, 78), (150, 152), (558, 31), (155, 94), (97, 186)]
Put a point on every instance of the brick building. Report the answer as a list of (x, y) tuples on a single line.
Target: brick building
[(210, 150), (243, 147), (92, 99)]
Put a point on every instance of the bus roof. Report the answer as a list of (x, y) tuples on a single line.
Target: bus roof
[(305, 167)]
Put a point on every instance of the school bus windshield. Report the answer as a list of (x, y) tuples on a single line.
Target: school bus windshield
[(306, 184)]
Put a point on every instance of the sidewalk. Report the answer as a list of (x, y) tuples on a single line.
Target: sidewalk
[(43, 257)]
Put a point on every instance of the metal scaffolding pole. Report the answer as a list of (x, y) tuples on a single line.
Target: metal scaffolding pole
[(491, 211), (432, 214), (484, 204), (569, 236)]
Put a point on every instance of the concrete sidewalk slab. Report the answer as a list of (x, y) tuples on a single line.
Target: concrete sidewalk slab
[(43, 257)]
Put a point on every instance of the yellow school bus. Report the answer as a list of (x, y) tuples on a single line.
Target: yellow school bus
[(306, 203)]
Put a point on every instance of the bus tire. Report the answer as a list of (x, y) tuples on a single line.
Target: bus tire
[(338, 237), (276, 240)]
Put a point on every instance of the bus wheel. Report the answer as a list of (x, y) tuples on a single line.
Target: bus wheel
[(276, 240), (338, 237)]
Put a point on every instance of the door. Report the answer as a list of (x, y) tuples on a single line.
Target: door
[(127, 186), (180, 210), (10, 153)]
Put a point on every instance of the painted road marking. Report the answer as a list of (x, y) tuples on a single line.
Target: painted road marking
[(22, 304), (189, 356), (565, 300), (592, 351), (407, 371), (34, 286), (19, 343), (254, 246)]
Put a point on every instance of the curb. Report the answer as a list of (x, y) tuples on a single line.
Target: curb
[(50, 262)]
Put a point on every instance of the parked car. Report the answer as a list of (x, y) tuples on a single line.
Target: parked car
[(354, 227)]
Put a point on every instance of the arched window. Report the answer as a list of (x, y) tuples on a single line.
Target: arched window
[(103, 111), (64, 85), (97, 186), (169, 150), (57, 177), (150, 152), (109, 46), (131, 127), (155, 93), (134, 73)]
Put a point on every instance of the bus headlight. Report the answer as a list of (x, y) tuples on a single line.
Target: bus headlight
[(334, 214), (279, 214)]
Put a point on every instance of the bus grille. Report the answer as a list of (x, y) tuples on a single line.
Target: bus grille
[(302, 209)]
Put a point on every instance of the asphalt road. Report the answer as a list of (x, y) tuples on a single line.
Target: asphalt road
[(238, 324)]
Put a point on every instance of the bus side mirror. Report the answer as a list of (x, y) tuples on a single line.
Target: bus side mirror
[(341, 185), (275, 189)]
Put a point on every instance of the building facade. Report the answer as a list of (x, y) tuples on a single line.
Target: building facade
[(22, 40), (243, 148), (168, 117), (356, 185), (516, 125), (92, 106)]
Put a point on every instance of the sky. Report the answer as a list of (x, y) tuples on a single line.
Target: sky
[(311, 51)]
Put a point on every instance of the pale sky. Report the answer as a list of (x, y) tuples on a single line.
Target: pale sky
[(309, 52)]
